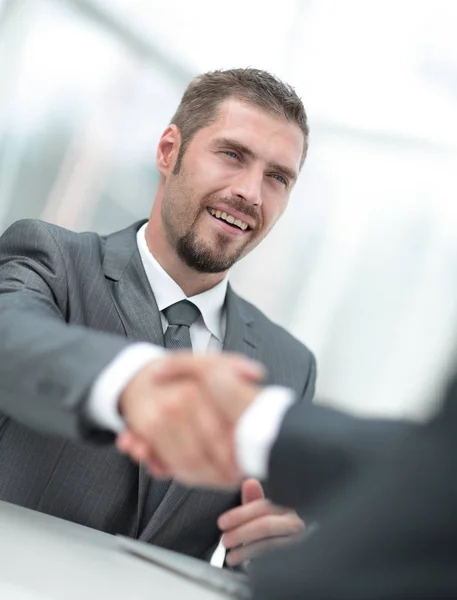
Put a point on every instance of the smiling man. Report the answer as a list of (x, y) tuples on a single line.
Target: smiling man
[(224, 186), (88, 319)]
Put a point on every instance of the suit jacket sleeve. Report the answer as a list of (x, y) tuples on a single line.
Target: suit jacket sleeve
[(318, 450), (46, 365), (390, 534)]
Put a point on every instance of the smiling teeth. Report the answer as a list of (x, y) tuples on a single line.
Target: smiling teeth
[(229, 218)]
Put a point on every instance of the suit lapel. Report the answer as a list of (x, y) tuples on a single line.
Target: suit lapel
[(240, 334), (136, 306), (239, 337), (138, 312), (132, 294)]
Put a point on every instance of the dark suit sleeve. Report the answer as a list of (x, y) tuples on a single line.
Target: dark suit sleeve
[(47, 367), (319, 449), (390, 534)]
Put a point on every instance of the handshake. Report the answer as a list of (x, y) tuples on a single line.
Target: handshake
[(181, 413)]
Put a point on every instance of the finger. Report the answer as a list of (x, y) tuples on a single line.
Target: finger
[(228, 393), (251, 490), (156, 469), (155, 466), (130, 444), (180, 364), (242, 366), (249, 551), (252, 371), (133, 446), (211, 479), (262, 528), (247, 512), (123, 441)]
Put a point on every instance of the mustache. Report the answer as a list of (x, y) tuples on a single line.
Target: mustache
[(238, 204)]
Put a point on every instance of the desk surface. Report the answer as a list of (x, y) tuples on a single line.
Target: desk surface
[(44, 558)]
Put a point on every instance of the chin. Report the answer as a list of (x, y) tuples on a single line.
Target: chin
[(212, 263), (215, 255)]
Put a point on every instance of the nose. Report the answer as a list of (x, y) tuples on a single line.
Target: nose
[(248, 185)]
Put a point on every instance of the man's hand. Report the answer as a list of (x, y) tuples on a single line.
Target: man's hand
[(256, 525), (181, 416), (172, 425), (229, 395)]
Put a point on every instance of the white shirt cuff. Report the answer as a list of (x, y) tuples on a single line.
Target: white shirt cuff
[(258, 429), (102, 403)]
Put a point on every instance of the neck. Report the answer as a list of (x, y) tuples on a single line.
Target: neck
[(189, 280)]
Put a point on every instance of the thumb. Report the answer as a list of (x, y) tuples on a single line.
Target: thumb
[(249, 369), (251, 490)]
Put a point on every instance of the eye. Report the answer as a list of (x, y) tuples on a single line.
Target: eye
[(280, 178), (231, 154)]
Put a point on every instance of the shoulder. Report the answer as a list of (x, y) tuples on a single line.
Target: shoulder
[(289, 362), (34, 234), (278, 338)]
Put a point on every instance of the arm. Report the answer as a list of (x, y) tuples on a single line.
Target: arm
[(262, 429), (309, 454), (319, 449), (47, 367), (304, 451), (389, 534)]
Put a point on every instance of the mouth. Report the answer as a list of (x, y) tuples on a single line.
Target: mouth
[(228, 222)]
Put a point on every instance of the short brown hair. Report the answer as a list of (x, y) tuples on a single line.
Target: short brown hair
[(203, 96)]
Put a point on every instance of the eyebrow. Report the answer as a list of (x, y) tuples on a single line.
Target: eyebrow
[(288, 172)]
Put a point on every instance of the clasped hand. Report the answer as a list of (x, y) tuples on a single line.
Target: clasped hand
[(181, 413)]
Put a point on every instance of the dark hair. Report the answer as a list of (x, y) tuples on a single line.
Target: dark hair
[(203, 96)]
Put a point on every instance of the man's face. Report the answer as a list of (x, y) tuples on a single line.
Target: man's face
[(234, 183)]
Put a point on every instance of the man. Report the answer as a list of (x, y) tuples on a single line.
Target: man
[(384, 491), (84, 318)]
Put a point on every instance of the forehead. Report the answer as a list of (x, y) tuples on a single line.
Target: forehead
[(269, 136)]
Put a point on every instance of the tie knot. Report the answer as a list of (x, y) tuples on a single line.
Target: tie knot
[(182, 313)]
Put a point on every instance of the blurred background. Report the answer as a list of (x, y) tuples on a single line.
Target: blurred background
[(363, 266)]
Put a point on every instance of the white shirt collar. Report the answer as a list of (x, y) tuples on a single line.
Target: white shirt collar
[(168, 292)]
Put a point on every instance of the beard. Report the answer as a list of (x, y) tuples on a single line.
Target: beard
[(195, 252), (198, 256)]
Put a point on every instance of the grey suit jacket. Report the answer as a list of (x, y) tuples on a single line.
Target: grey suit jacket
[(69, 303)]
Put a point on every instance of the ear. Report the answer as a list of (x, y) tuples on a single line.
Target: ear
[(168, 149)]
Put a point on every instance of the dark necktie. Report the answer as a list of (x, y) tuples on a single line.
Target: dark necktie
[(180, 317)]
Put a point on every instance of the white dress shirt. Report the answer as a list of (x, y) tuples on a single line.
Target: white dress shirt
[(258, 427)]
